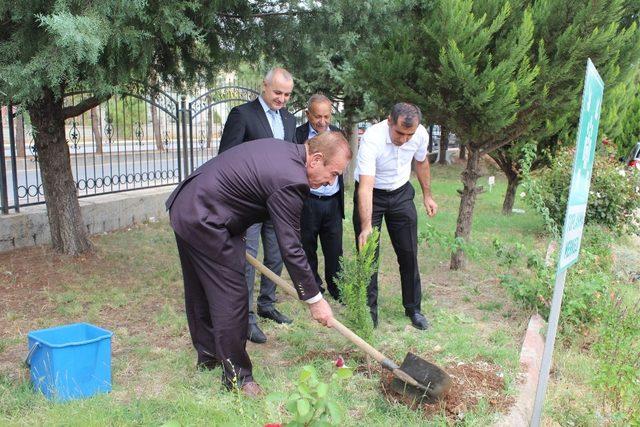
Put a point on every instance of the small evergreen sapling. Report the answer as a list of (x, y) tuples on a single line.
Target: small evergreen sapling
[(353, 280)]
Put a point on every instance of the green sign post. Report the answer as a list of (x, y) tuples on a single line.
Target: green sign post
[(574, 218)]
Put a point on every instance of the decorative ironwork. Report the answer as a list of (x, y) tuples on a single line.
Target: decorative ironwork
[(74, 134), (138, 132), (113, 167), (220, 95), (108, 130), (34, 151), (201, 140)]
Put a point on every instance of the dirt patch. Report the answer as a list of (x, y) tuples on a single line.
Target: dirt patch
[(472, 382)]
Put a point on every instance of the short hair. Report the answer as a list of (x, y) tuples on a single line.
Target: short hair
[(329, 144), (268, 78), (409, 113), (317, 97)]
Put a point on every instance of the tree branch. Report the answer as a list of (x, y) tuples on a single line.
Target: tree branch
[(512, 132), (265, 14), (84, 105)]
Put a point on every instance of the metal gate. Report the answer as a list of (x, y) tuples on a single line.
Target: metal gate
[(207, 114), (140, 139)]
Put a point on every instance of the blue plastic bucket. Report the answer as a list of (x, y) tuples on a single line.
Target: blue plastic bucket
[(71, 361)]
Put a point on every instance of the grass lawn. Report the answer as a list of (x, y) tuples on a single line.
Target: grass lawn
[(133, 287)]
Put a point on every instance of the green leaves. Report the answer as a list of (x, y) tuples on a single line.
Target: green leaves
[(353, 279), (311, 404), (81, 37)]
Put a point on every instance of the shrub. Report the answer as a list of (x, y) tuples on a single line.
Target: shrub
[(353, 280), (617, 348), (313, 401), (587, 281), (614, 194)]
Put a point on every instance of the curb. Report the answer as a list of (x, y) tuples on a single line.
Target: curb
[(530, 361)]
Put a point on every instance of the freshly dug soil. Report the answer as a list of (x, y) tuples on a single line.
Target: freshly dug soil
[(471, 383)]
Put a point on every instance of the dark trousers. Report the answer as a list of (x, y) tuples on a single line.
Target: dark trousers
[(399, 212), (322, 218), (272, 260), (217, 312)]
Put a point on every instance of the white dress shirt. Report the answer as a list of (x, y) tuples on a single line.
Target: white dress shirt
[(274, 118), (388, 163), (324, 190)]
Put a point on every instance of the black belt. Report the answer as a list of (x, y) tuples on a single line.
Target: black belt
[(315, 196), (389, 192)]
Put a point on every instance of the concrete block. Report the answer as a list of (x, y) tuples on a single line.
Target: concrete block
[(108, 212)]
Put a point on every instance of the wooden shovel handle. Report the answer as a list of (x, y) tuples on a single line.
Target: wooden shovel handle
[(346, 332)]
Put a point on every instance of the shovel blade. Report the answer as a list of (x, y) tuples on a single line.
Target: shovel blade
[(436, 381)]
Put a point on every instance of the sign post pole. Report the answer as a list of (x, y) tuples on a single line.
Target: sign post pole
[(574, 218)]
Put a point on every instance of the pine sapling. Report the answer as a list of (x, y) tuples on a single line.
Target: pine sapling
[(353, 280)]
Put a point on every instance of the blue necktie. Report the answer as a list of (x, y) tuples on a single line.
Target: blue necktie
[(276, 125)]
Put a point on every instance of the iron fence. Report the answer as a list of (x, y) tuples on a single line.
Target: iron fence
[(139, 139)]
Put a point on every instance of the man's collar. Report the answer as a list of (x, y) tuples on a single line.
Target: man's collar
[(388, 135), (265, 107)]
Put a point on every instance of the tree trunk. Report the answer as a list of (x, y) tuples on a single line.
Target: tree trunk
[(209, 123), (155, 123), (467, 202), (21, 149), (350, 129), (510, 196), (430, 146), (444, 146), (463, 152), (68, 233), (97, 129), (155, 120)]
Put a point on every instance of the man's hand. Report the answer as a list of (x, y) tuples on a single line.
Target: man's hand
[(364, 235), (430, 205), (321, 312)]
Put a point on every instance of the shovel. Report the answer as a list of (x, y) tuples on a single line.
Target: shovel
[(416, 378)]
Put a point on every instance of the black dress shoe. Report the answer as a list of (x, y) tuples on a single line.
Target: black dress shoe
[(274, 315), (254, 334), (419, 321)]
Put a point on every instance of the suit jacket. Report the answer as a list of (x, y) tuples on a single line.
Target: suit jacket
[(248, 122), (302, 132), (212, 208)]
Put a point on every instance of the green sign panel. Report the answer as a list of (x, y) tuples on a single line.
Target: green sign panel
[(582, 166)]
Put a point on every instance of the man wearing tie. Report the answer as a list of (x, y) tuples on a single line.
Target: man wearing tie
[(264, 117), (323, 210)]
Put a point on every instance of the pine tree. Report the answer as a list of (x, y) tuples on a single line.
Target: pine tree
[(495, 72), (50, 48), (327, 42), (604, 31)]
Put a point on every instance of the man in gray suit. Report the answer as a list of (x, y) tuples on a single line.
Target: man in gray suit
[(264, 117), (210, 212)]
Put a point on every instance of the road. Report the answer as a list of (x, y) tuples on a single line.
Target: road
[(95, 174)]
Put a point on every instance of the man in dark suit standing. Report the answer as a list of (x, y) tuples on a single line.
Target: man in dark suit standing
[(210, 212), (264, 117), (323, 210)]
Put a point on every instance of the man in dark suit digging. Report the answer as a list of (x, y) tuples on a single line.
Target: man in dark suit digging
[(210, 212), (264, 117)]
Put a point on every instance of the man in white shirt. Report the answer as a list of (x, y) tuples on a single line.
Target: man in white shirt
[(383, 190)]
